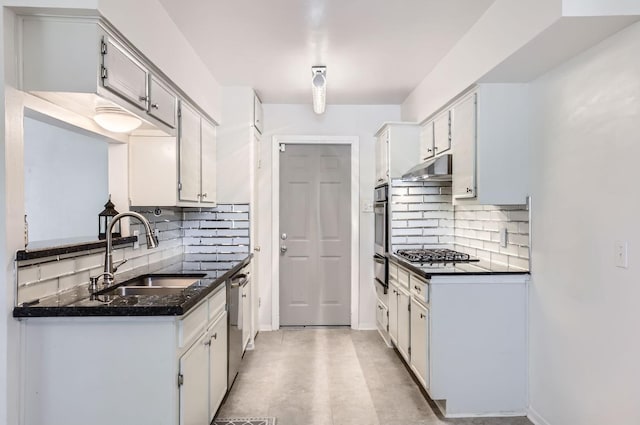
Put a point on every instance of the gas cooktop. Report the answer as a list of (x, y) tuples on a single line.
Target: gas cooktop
[(434, 256)]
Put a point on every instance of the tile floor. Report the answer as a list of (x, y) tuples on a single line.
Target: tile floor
[(332, 377)]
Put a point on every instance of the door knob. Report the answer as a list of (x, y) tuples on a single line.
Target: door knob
[(283, 249)]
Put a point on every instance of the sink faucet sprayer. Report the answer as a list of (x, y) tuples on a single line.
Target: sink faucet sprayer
[(152, 242)]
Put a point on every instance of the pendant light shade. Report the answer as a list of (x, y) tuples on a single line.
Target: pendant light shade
[(319, 88)]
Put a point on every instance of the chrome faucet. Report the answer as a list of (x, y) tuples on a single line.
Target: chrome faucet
[(152, 242)]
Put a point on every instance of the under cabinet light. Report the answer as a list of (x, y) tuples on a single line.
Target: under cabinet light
[(115, 119), (319, 88)]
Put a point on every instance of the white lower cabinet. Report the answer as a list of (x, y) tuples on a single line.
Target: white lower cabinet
[(194, 384), (111, 370), (393, 311), (246, 315), (217, 364), (404, 323), (420, 341)]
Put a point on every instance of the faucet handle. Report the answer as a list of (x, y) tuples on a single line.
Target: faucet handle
[(93, 281), (115, 266)]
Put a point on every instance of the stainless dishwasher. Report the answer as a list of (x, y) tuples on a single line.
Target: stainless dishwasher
[(235, 286)]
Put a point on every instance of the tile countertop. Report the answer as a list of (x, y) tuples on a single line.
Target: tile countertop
[(77, 302), (479, 268)]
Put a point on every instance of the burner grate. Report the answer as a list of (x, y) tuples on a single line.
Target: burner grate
[(434, 256)]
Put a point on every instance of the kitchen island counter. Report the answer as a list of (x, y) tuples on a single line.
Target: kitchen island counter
[(78, 302)]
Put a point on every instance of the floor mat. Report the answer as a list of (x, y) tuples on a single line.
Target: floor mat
[(244, 421)]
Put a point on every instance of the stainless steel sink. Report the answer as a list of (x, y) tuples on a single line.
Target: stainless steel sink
[(162, 281), (144, 290), (158, 284)]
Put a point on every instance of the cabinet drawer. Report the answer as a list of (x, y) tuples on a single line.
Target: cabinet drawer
[(419, 288), (403, 277), (217, 303), (384, 298), (393, 271), (192, 325)]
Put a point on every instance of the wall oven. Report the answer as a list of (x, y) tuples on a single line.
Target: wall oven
[(381, 212)]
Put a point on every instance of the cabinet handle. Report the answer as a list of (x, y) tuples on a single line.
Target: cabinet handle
[(155, 106), (215, 336), (207, 342), (435, 148), (204, 195), (429, 150), (422, 316), (244, 295)]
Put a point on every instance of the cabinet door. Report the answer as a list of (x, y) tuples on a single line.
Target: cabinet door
[(208, 162), (426, 141), (189, 143), (162, 102), (393, 313), (123, 75), (404, 323), (257, 114), (382, 318), (246, 314), (464, 148), (442, 133), (420, 342), (217, 364), (153, 171), (194, 391)]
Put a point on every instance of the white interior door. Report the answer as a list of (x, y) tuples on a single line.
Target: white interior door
[(315, 235)]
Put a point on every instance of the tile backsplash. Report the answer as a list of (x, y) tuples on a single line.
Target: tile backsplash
[(424, 216), (477, 232), (421, 215), (212, 239)]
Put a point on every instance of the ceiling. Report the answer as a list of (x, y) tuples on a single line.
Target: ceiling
[(376, 51)]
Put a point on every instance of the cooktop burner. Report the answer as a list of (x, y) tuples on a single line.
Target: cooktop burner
[(434, 256)]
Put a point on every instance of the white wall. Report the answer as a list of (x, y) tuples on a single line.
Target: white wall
[(338, 120), (584, 313), (66, 181)]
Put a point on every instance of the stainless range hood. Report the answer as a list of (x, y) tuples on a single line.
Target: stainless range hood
[(434, 169)]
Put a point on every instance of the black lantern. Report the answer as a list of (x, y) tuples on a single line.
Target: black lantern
[(104, 220)]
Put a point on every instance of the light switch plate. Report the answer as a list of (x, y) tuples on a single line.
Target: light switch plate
[(366, 205), (620, 254), (503, 237)]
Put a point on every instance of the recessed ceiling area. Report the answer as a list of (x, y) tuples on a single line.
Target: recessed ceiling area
[(376, 51)]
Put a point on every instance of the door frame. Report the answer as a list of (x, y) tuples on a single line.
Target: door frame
[(354, 142)]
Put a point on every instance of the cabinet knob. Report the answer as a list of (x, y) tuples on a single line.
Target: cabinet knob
[(204, 195), (417, 288), (215, 335), (207, 342), (422, 316), (435, 148), (155, 106), (429, 150), (143, 98), (244, 295)]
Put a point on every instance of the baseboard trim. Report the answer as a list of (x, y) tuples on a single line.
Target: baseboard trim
[(265, 328), (536, 417)]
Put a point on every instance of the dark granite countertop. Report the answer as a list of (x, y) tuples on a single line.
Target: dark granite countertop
[(67, 246), (473, 268), (78, 302)]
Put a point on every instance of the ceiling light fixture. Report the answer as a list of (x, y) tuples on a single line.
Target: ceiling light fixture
[(116, 120), (319, 88)]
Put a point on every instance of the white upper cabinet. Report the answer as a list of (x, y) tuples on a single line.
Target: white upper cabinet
[(81, 63), (189, 143), (426, 141), (397, 150), (442, 132), (464, 158), (208, 187), (163, 103), (257, 114), (122, 74), (490, 138)]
